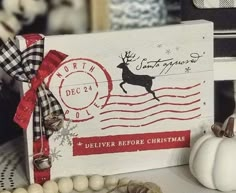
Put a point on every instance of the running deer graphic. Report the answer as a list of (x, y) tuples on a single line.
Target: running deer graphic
[(134, 79)]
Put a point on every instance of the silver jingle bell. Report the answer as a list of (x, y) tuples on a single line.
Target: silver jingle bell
[(53, 122), (43, 162)]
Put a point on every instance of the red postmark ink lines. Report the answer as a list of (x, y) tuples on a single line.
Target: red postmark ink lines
[(176, 104), (79, 85)]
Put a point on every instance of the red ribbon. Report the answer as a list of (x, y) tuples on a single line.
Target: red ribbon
[(27, 104), (40, 176), (31, 39)]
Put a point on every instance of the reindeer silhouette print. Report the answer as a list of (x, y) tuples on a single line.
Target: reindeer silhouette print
[(134, 79)]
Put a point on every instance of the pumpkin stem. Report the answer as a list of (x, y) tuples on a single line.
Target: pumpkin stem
[(217, 130), (229, 130)]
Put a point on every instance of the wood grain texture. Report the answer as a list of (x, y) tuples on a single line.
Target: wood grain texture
[(99, 15)]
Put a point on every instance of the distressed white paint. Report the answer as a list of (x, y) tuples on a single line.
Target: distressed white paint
[(175, 42)]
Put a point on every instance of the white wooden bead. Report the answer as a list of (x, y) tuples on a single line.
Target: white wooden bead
[(20, 190), (96, 182), (35, 188), (50, 187), (80, 183), (135, 181), (123, 181), (111, 182), (65, 185), (5, 191)]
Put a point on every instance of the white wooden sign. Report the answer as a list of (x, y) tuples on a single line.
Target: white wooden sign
[(133, 100)]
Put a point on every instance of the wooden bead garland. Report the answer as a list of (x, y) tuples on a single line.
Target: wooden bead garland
[(122, 182), (111, 182), (65, 185), (82, 183), (96, 182), (35, 188), (50, 187)]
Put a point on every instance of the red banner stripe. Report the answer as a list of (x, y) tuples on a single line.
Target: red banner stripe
[(130, 143)]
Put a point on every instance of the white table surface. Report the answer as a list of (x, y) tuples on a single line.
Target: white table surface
[(171, 180)]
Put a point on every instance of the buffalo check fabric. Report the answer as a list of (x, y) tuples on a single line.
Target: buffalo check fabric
[(49, 105), (208, 4), (10, 59), (23, 66)]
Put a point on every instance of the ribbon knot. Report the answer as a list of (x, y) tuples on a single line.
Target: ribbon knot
[(31, 96), (35, 83), (30, 66)]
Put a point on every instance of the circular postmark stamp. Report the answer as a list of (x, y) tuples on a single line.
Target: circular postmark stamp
[(82, 87)]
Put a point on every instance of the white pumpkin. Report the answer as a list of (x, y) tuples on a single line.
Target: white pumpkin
[(213, 160)]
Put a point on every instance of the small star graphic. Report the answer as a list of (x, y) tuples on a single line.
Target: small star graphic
[(159, 45), (168, 51), (187, 70)]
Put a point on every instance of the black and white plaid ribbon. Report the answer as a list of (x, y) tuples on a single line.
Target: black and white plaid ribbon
[(23, 66), (208, 4)]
